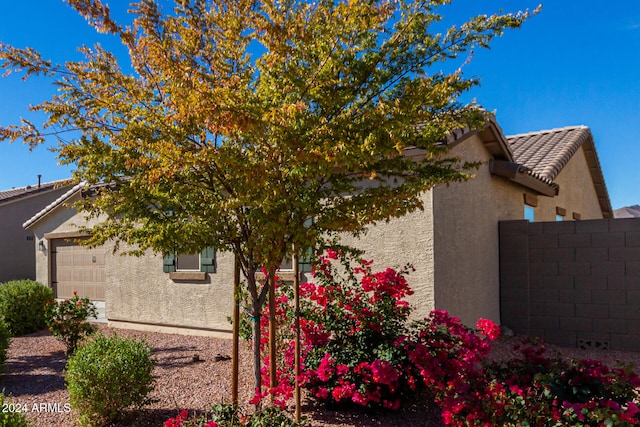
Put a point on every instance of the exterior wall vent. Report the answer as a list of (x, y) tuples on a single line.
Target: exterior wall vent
[(593, 344)]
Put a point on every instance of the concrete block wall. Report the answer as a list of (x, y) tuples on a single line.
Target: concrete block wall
[(572, 283)]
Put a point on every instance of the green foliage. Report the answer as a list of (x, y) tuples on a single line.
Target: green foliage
[(22, 305), (67, 320), (13, 416), (106, 376), (225, 415), (5, 337)]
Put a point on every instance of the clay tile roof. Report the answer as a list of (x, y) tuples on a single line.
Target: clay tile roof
[(546, 152), (543, 154)]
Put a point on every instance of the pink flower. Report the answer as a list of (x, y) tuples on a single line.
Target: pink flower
[(325, 369), (332, 254), (488, 328), (322, 393)]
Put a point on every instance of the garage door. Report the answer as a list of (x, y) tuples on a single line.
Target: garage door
[(77, 268)]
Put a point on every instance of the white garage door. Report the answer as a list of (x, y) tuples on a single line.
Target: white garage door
[(77, 268)]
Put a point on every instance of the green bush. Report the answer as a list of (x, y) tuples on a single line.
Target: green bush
[(106, 376), (22, 305), (5, 335), (12, 415)]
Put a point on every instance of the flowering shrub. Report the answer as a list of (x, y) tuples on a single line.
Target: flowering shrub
[(358, 344), (67, 320), (228, 416), (448, 358), (548, 390), (351, 321), (359, 347), (283, 391), (182, 420)]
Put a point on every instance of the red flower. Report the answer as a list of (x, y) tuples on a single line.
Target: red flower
[(488, 328)]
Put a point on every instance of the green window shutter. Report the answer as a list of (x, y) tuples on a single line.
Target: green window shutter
[(208, 260), (169, 263), (304, 262)]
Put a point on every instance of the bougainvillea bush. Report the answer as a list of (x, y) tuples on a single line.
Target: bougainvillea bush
[(353, 323), (359, 347), (536, 388)]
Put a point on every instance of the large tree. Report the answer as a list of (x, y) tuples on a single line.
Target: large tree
[(236, 121)]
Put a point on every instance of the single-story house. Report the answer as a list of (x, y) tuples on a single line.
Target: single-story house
[(17, 205), (453, 243)]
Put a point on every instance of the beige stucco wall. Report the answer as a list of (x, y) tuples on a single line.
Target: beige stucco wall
[(140, 293), (17, 254), (577, 193), (466, 215), (454, 242), (400, 241)]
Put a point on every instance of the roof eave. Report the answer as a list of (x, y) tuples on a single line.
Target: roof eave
[(597, 177), (516, 173), (52, 206)]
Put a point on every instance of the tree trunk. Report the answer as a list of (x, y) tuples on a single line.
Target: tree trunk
[(257, 301), (256, 350), (236, 333)]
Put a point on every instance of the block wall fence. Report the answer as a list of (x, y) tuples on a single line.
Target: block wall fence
[(572, 283)]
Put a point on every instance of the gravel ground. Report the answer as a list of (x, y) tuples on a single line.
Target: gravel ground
[(34, 377)]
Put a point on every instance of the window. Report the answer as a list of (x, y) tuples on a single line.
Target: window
[(560, 213), (286, 264), (188, 262), (530, 203), (304, 262), (204, 261), (529, 213), (559, 218)]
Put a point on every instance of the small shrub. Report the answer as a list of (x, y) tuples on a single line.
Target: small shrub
[(106, 376), (22, 305), (67, 320), (539, 389), (11, 415), (5, 337), (223, 415)]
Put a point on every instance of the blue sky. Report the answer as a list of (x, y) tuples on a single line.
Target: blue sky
[(575, 63)]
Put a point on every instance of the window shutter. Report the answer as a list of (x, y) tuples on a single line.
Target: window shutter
[(169, 263), (304, 262), (208, 260)]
